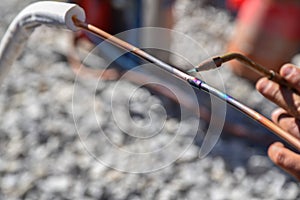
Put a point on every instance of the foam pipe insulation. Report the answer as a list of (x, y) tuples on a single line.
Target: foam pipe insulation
[(50, 13)]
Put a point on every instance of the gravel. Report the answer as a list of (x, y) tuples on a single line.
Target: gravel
[(60, 138)]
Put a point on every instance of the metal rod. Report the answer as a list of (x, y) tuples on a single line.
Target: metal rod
[(293, 141), (215, 62)]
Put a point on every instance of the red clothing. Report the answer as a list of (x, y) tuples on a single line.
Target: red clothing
[(234, 5)]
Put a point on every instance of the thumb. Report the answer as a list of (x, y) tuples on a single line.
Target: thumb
[(285, 158)]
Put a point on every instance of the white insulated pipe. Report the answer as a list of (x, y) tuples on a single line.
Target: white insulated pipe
[(50, 13)]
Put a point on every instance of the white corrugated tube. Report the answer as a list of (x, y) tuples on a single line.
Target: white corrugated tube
[(50, 13)]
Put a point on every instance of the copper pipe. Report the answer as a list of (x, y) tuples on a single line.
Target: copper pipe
[(128, 47), (292, 140)]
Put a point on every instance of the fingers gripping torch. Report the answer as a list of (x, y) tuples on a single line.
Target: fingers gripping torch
[(72, 17)]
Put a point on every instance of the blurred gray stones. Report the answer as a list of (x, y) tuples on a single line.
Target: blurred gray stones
[(55, 184), (68, 137)]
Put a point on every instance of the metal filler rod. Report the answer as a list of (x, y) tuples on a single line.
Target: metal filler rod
[(217, 61), (195, 82)]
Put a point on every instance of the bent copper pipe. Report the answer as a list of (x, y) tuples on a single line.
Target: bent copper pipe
[(195, 82)]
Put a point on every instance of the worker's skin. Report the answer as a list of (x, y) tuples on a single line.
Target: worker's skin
[(287, 117)]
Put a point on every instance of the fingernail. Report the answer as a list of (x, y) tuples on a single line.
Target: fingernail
[(276, 114), (263, 85), (276, 147), (286, 71)]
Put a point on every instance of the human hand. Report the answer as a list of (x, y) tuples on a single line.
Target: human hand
[(287, 117)]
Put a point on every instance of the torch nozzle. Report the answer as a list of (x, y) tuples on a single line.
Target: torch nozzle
[(216, 62)]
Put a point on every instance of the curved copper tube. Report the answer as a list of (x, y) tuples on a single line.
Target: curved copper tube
[(215, 62)]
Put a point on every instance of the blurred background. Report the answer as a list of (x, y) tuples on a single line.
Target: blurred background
[(64, 131)]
